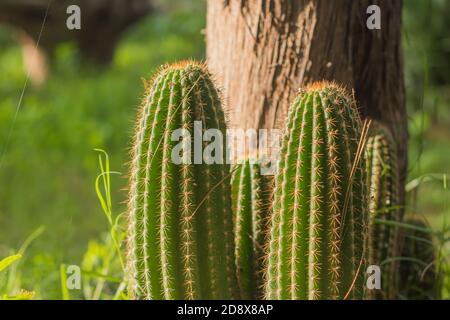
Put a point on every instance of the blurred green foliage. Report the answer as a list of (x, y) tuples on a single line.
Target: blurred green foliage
[(427, 74), (48, 165)]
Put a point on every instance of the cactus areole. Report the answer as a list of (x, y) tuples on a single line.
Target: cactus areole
[(180, 239), (316, 248)]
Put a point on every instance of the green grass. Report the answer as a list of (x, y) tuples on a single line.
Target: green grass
[(427, 53), (49, 165)]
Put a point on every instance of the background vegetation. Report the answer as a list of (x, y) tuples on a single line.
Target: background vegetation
[(49, 210)]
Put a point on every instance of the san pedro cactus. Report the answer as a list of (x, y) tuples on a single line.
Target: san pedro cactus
[(419, 278), (381, 166), (316, 248), (180, 238), (252, 199)]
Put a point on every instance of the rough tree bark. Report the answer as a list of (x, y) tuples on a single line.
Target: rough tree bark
[(263, 51)]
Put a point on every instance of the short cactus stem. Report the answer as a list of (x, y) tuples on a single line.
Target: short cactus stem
[(252, 199), (382, 179), (317, 237), (180, 237)]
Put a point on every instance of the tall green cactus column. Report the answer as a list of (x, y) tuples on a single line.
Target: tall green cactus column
[(180, 238), (318, 226), (252, 200), (381, 166)]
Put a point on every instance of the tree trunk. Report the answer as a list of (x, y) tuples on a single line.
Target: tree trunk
[(263, 51)]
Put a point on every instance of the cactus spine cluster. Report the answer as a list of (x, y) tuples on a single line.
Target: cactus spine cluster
[(381, 166), (180, 240), (252, 194), (419, 278), (316, 248)]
